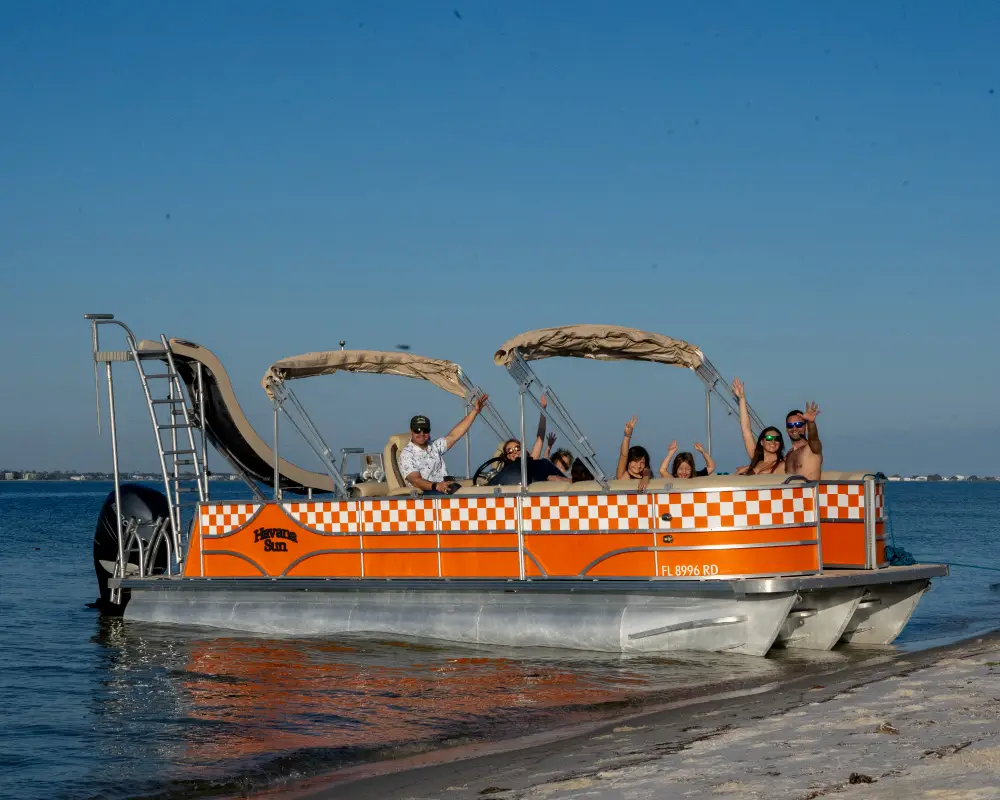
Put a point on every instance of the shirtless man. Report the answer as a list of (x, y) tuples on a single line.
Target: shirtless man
[(806, 456)]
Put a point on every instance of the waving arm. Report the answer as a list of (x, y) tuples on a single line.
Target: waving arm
[(665, 466), (709, 461), (621, 469), (749, 442)]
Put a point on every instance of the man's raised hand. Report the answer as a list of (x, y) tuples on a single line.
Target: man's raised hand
[(811, 412)]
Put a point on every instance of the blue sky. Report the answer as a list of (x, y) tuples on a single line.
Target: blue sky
[(809, 194)]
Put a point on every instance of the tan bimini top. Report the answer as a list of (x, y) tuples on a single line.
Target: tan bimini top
[(443, 374), (602, 342)]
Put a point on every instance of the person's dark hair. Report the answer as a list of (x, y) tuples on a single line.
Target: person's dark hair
[(683, 458), (560, 455), (758, 453), (579, 472), (635, 453), (503, 450), (792, 413)]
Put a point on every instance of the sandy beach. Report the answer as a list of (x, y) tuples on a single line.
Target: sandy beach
[(911, 725)]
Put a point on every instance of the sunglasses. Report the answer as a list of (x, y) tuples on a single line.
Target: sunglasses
[(795, 424), (770, 438), (421, 430), (514, 448)]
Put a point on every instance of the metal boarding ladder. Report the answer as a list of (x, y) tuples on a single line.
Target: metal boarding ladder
[(174, 426)]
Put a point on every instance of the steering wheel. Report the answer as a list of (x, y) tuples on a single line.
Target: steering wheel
[(487, 470)]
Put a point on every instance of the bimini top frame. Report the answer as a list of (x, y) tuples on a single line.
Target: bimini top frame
[(607, 343), (446, 375)]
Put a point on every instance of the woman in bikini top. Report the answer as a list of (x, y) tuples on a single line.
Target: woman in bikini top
[(768, 455)]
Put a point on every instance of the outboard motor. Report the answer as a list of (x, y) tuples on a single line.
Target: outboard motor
[(138, 503)]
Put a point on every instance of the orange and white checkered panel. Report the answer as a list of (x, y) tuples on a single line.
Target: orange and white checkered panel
[(329, 517), (217, 519), (841, 501), (751, 508), (595, 512), (879, 502), (404, 515), (478, 513)]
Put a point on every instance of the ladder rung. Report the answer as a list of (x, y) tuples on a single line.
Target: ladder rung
[(161, 375), (184, 462), (186, 489), (173, 425), (168, 400), (184, 476), (179, 452)]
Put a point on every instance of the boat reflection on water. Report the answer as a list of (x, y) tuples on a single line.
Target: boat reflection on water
[(241, 708)]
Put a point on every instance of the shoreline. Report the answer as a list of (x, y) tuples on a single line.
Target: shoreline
[(569, 756)]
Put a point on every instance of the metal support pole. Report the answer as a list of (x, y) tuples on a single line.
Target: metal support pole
[(114, 460), (468, 447), (524, 447), (201, 421), (277, 459), (97, 376), (708, 417)]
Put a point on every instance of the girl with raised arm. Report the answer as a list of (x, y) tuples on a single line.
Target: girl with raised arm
[(633, 462), (684, 463)]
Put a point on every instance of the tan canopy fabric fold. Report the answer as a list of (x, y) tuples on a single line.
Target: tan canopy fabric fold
[(602, 342), (443, 374)]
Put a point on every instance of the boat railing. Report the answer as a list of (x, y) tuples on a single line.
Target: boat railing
[(853, 515), (723, 528)]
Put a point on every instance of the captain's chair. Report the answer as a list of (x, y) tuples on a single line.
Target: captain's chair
[(390, 458)]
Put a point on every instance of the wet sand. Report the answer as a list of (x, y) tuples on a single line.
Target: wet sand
[(921, 724)]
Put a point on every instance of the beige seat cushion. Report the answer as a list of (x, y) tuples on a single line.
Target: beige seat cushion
[(370, 489), (390, 459)]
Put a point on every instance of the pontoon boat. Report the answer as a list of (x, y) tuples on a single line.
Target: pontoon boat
[(723, 563)]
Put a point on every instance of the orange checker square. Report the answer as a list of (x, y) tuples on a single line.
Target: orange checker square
[(216, 518), (399, 515), (477, 514), (326, 517)]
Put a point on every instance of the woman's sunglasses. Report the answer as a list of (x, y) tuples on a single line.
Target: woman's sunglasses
[(770, 438)]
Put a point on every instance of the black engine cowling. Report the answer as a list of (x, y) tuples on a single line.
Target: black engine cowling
[(140, 503)]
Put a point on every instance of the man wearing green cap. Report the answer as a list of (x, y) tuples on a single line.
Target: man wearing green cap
[(421, 462)]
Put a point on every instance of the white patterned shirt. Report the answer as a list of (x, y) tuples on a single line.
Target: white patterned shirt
[(428, 461)]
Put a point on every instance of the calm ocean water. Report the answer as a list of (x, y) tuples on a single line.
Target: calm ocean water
[(98, 708)]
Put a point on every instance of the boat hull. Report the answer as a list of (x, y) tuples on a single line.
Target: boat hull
[(747, 616), (604, 622)]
